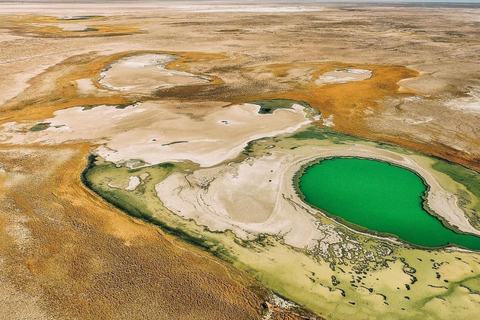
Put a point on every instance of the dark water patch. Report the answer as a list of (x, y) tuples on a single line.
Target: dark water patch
[(40, 126), (88, 30), (79, 18), (117, 106), (268, 106), (174, 142)]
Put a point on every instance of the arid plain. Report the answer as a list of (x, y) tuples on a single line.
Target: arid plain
[(150, 152)]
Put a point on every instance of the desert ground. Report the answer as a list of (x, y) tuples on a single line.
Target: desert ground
[(149, 153)]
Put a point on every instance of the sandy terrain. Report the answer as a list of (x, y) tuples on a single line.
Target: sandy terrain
[(257, 196), (403, 36), (245, 8), (421, 94)]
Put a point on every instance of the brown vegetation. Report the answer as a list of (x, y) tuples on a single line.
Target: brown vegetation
[(85, 259)]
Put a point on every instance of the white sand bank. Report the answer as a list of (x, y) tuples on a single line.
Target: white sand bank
[(133, 183), (257, 196), (143, 73), (343, 76), (470, 104), (157, 132)]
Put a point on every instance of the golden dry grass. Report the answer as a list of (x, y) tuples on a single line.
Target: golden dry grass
[(91, 261)]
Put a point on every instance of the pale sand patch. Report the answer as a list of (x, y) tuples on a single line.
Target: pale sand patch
[(418, 121), (76, 123), (72, 26), (19, 81), (79, 27), (328, 122), (143, 73), (6, 37), (343, 76), (245, 8), (86, 86), (424, 84), (133, 183), (416, 98), (156, 132), (470, 104), (240, 197), (257, 196), (172, 137)]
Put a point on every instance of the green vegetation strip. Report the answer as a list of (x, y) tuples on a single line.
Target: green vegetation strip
[(137, 203), (471, 180), (40, 126)]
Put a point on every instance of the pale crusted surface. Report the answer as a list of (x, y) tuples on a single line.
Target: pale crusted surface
[(144, 73), (257, 196), (156, 132), (266, 52), (253, 36), (343, 76)]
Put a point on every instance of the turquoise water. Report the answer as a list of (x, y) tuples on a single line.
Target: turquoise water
[(379, 197)]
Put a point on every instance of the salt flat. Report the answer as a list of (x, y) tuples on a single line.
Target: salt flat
[(148, 155)]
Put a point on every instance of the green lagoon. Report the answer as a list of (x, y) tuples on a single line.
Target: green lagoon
[(378, 196)]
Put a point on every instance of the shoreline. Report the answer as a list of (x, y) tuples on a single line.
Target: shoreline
[(296, 225), (386, 235), (426, 182)]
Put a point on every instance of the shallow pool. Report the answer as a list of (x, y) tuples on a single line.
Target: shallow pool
[(378, 196)]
